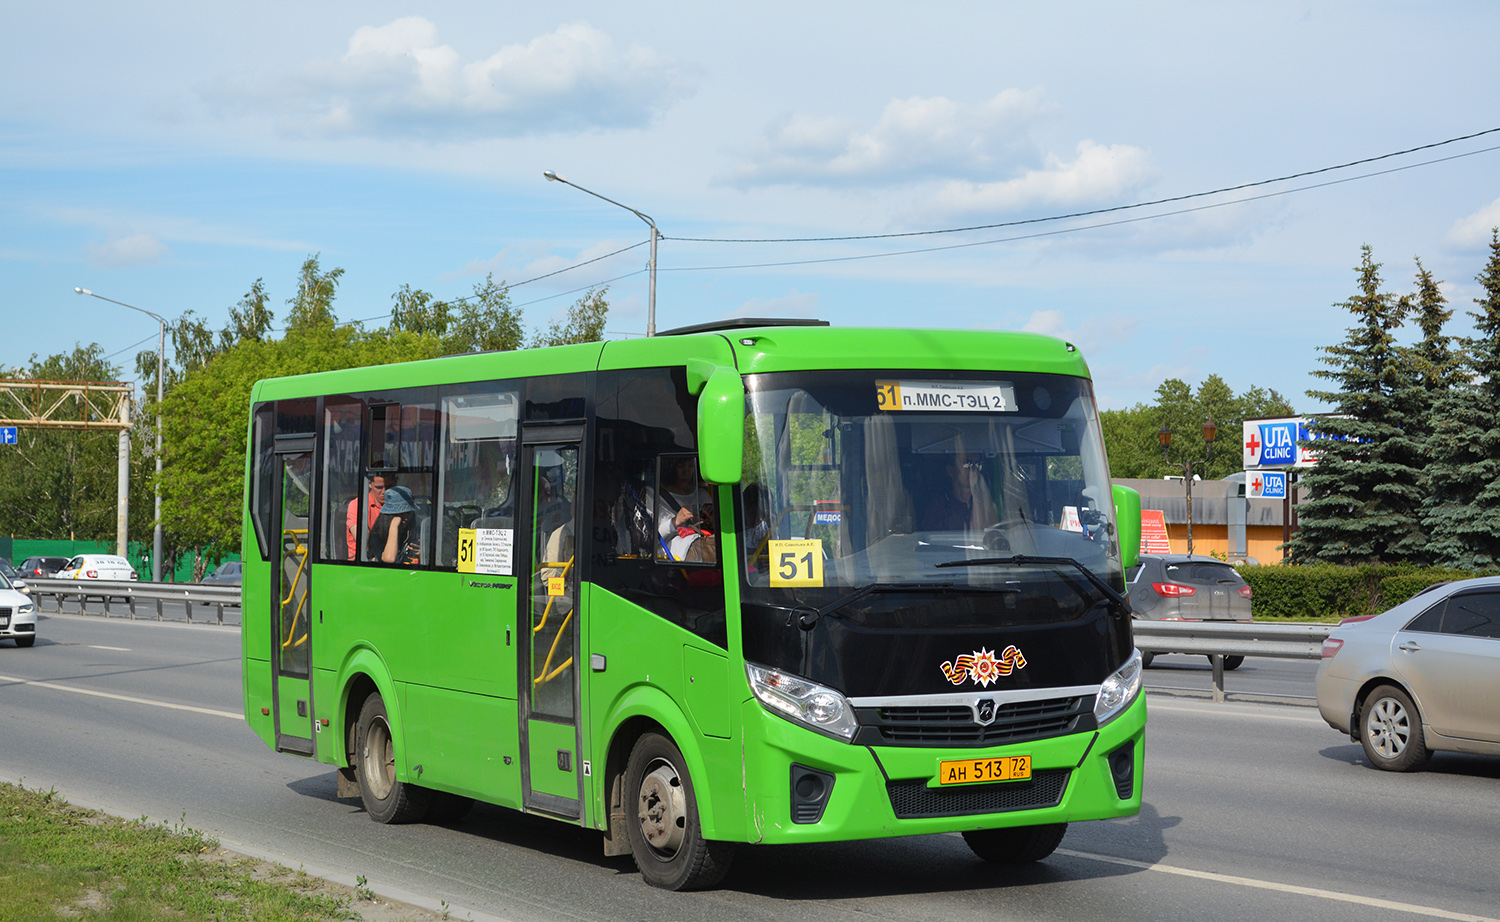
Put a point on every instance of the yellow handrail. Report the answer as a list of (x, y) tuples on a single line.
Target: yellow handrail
[(544, 675), (299, 550)]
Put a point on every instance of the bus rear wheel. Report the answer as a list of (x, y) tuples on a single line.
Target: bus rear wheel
[(662, 824), (1017, 845), (386, 799)]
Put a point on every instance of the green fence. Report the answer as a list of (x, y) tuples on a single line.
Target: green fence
[(179, 571)]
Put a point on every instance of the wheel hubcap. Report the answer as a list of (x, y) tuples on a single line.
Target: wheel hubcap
[(378, 761), (1389, 728), (663, 809)]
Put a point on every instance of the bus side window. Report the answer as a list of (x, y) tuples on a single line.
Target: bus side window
[(477, 463), (647, 448), (345, 492)]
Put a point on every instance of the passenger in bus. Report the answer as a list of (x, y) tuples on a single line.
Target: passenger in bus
[(374, 499), (391, 537)]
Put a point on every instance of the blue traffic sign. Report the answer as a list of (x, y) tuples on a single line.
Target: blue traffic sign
[(8, 435)]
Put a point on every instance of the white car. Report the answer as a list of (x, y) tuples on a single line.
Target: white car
[(97, 566), (17, 615)]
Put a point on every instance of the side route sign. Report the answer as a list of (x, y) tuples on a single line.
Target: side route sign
[(7, 435)]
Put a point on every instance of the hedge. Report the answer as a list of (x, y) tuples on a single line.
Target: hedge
[(1328, 593)]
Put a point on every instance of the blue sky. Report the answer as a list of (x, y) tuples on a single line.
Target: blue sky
[(168, 155)]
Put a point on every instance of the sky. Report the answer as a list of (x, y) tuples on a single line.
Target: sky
[(167, 155)]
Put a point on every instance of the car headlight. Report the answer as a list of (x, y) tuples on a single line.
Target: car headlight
[(26, 609), (1119, 690), (807, 703)]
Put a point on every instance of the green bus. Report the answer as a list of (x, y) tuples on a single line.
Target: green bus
[(757, 581)]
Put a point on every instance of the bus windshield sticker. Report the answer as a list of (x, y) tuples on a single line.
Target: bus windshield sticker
[(983, 666), (797, 563), (960, 396), (485, 550)]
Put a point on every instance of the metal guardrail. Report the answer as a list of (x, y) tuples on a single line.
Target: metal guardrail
[(1218, 639), (131, 592)]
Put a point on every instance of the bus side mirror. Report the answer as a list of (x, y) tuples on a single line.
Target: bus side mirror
[(721, 427), (1128, 524)]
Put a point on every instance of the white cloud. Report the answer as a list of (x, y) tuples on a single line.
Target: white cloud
[(921, 138), (1098, 173), (120, 252), (397, 81), (1112, 331), (513, 266), (1473, 232)]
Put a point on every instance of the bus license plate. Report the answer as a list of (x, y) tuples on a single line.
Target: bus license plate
[(971, 771)]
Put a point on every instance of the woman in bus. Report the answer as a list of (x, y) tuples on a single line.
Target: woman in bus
[(390, 538)]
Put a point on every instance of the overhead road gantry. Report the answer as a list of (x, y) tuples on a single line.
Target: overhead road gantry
[(87, 405)]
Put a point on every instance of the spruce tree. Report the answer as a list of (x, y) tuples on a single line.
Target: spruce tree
[(1462, 509), (1364, 495)]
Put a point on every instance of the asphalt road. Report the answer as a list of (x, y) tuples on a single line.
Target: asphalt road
[(1253, 811)]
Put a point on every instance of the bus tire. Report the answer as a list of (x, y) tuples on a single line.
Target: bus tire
[(1018, 845), (386, 799), (661, 809)]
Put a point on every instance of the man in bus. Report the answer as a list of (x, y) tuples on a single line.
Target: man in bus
[(374, 499)]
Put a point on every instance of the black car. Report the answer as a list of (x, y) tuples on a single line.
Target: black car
[(1180, 587), (41, 567)]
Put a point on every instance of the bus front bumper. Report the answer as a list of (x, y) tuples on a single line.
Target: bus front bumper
[(880, 791)]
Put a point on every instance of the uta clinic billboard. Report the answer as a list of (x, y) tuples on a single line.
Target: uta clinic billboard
[(1275, 443)]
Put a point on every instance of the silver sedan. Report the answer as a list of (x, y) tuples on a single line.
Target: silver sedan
[(1420, 677)]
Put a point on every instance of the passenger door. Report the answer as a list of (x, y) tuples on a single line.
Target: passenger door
[(549, 674), (291, 603)]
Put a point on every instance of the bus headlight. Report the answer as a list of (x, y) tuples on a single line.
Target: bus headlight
[(807, 703), (1119, 690)]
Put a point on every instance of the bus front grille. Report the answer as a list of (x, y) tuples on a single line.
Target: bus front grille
[(914, 799), (954, 725)]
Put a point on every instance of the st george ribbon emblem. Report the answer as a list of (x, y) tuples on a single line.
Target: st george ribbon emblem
[(983, 666)]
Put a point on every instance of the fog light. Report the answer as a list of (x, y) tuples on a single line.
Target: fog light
[(810, 790), (1122, 769)]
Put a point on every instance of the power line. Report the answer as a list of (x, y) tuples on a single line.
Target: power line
[(1097, 211), (1081, 227)]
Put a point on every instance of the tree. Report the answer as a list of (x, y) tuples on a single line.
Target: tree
[(1462, 507), (62, 483), (485, 321), (584, 323), (1131, 435), (1364, 495), (312, 306)]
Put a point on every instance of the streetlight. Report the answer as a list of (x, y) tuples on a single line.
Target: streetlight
[(161, 345), (651, 297), (1164, 435)]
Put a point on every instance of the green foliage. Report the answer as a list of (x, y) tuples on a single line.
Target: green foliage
[(1364, 496), (59, 483), (584, 322), (1328, 592), (1461, 509), (483, 322), (1131, 435)]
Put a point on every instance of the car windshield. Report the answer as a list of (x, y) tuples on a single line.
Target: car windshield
[(855, 479)]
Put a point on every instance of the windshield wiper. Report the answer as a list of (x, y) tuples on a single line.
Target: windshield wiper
[(1118, 602), (807, 616)]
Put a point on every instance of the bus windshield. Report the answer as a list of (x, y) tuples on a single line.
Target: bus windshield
[(859, 478)]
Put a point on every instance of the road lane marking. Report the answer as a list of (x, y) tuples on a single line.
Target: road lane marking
[(1235, 710), (232, 715), (1370, 901), (94, 646)]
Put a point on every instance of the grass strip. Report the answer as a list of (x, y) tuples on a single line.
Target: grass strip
[(58, 861)]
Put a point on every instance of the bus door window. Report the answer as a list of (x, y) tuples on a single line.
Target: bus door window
[(554, 580), (477, 465), (296, 506)]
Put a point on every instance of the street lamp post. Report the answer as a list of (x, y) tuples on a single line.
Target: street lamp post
[(161, 345), (655, 235), (1210, 430)]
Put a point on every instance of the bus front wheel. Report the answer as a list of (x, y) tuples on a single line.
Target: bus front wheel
[(666, 838), (386, 799), (1017, 845)]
